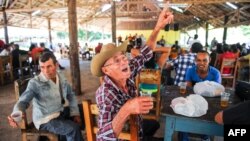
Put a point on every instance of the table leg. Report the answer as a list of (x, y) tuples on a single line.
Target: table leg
[(169, 128)]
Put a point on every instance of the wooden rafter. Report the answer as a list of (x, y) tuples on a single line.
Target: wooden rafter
[(205, 1), (232, 14), (212, 11), (233, 25)]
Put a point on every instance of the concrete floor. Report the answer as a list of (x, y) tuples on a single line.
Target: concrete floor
[(89, 84)]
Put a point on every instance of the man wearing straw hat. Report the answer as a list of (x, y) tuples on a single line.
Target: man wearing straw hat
[(117, 97)]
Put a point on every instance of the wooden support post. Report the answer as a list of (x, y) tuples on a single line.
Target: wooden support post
[(49, 29), (5, 26), (113, 21), (73, 49), (225, 29), (87, 33), (206, 35), (196, 29)]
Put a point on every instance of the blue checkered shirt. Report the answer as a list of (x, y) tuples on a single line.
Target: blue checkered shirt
[(181, 64)]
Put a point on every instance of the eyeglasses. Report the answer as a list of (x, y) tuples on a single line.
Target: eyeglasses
[(117, 60)]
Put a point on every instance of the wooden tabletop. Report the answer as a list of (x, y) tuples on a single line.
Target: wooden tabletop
[(168, 93)]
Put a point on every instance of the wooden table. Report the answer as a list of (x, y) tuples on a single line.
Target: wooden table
[(200, 125)]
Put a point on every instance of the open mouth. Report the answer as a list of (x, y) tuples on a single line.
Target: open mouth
[(201, 67), (125, 69)]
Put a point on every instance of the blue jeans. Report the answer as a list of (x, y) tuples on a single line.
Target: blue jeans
[(62, 126)]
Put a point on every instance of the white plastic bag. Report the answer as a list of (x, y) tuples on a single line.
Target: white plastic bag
[(208, 89), (192, 106)]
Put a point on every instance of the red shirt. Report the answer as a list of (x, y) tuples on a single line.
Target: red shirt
[(227, 55), (98, 49), (35, 51)]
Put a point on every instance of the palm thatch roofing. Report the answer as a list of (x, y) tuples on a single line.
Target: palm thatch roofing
[(131, 14)]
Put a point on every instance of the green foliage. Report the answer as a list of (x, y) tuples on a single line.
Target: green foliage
[(62, 35), (85, 35), (81, 34), (245, 30)]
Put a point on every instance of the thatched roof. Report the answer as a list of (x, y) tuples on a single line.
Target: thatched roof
[(130, 14)]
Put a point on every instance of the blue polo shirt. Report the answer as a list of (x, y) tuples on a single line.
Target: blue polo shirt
[(213, 75)]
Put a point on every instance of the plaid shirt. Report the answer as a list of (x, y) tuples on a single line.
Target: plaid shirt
[(110, 98), (181, 64)]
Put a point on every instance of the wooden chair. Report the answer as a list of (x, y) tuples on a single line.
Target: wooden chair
[(6, 68), (24, 58), (232, 65), (217, 62), (151, 76), (92, 52), (28, 128), (90, 114)]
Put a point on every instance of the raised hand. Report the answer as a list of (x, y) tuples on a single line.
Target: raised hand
[(166, 17), (139, 105)]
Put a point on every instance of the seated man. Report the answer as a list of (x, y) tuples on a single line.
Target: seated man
[(6, 50), (238, 114), (117, 97), (15, 60), (198, 73), (50, 92), (202, 71), (245, 71), (85, 52)]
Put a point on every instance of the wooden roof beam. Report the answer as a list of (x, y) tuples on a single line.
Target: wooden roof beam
[(12, 4), (29, 7), (205, 1), (230, 13), (233, 25), (244, 14), (33, 9)]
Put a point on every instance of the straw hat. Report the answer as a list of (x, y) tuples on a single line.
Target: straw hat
[(106, 52)]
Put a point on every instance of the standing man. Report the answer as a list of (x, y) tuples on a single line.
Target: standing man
[(202, 71), (162, 41), (214, 42), (117, 97), (195, 40), (183, 62), (98, 48), (50, 92)]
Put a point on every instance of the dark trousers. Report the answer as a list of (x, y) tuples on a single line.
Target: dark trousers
[(149, 128)]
